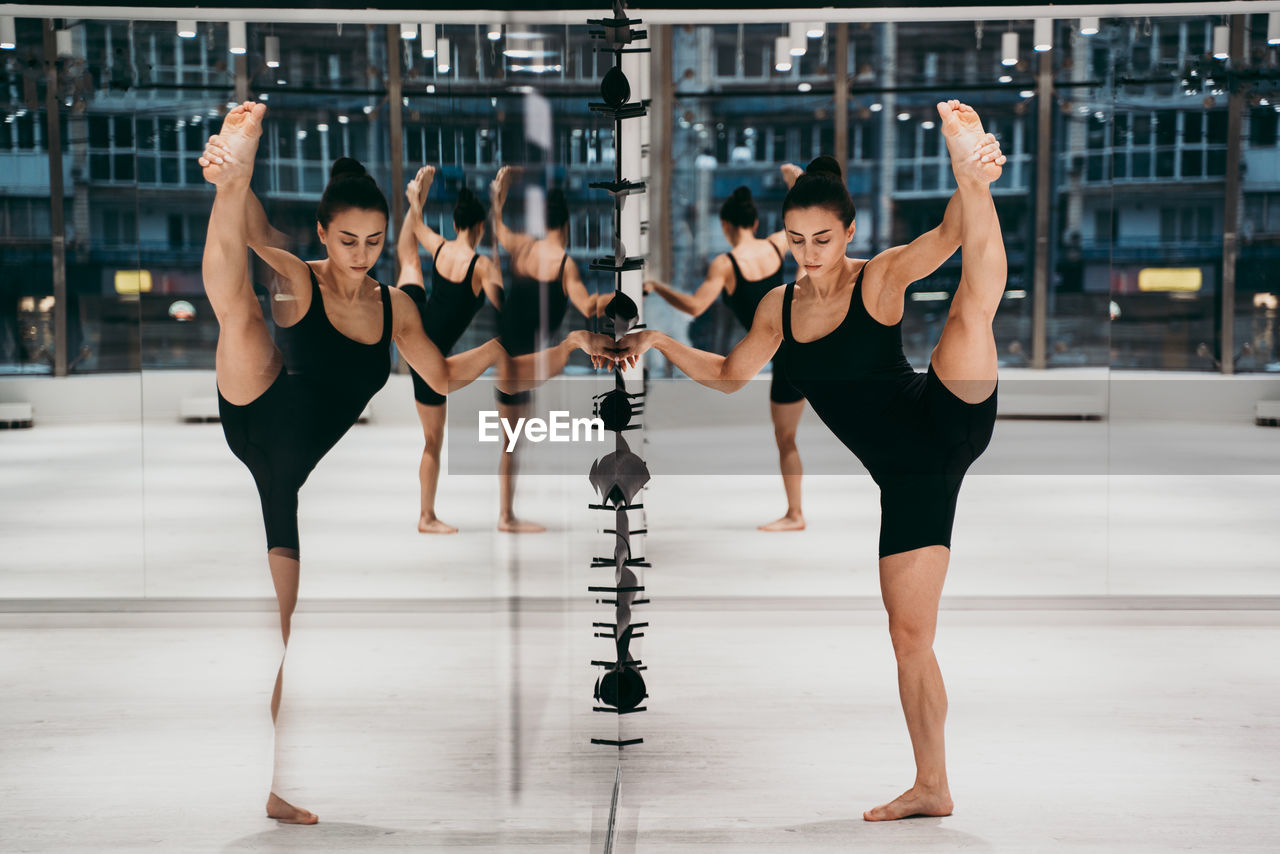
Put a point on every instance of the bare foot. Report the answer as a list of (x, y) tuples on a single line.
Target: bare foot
[(916, 801), (229, 154), (975, 154), (281, 810), (512, 525), (789, 522), (434, 526), (790, 172)]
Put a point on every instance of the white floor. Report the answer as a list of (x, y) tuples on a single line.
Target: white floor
[(766, 730), (163, 510)]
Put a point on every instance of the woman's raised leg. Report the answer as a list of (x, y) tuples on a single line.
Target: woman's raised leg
[(965, 358), (247, 361)]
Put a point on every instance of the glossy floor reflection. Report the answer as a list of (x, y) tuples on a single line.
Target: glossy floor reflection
[(768, 730), (164, 510)]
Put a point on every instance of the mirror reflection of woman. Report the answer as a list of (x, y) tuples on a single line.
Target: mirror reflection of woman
[(544, 282), (917, 434), (285, 402), (461, 278), (743, 275)]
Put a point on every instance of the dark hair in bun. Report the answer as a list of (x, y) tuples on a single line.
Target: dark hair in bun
[(557, 209), (468, 211), (739, 209), (821, 186), (350, 186)]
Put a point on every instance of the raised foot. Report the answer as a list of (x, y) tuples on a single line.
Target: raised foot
[(228, 155), (515, 526), (915, 801), (283, 811), (786, 523), (434, 526), (975, 155)]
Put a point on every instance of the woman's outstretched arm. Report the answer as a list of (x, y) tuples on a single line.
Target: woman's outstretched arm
[(722, 373), (589, 304), (902, 265), (443, 375), (427, 236), (292, 275), (520, 373), (718, 276), (512, 241), (406, 238)]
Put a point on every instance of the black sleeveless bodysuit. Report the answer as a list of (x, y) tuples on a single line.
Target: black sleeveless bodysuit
[(445, 316), (744, 301), (532, 312), (915, 437), (326, 382)]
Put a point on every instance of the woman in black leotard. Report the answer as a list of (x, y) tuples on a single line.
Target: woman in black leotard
[(916, 434), (461, 278), (750, 254), (285, 403), (544, 282)]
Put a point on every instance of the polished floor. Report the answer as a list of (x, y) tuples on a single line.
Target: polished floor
[(163, 510), (768, 730), (1109, 634)]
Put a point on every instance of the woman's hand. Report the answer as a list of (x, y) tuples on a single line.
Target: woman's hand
[(216, 160), (633, 346), (601, 348)]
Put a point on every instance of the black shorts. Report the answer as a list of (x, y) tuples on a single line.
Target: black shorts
[(422, 392), (918, 500)]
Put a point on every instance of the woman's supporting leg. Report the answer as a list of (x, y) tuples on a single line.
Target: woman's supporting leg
[(284, 575), (965, 358), (786, 420), (911, 585), (432, 419), (507, 466)]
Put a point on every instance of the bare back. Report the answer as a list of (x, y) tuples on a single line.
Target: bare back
[(756, 258)]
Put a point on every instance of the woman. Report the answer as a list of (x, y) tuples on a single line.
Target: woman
[(915, 433), (283, 407), (744, 274), (461, 278), (544, 282)]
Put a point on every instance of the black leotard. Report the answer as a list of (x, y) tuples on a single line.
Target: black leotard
[(914, 436), (326, 381), (744, 301), (532, 311), (446, 314)]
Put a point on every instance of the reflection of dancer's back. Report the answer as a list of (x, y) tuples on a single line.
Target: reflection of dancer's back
[(460, 279), (743, 275), (544, 281), (283, 407)]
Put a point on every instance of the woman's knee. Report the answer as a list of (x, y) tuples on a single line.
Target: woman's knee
[(911, 637)]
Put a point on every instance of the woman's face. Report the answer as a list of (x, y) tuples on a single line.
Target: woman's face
[(817, 238), (354, 239)]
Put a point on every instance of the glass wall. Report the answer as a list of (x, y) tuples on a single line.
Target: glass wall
[(1119, 188)]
